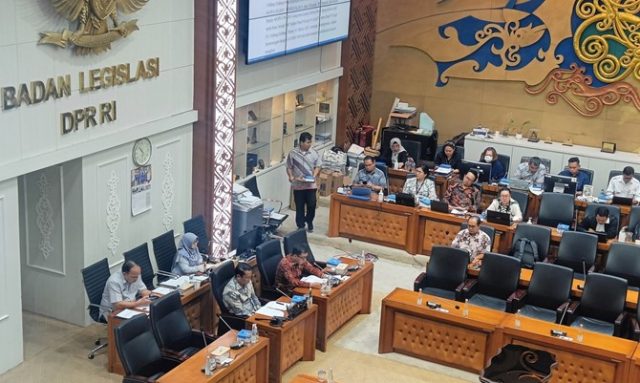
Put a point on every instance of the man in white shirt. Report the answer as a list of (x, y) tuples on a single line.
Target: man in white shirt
[(625, 185)]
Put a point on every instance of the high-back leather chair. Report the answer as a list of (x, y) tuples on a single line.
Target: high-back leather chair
[(219, 277), (498, 279), (413, 148), (576, 247), (623, 260), (549, 289), (505, 161), (196, 226), (634, 218), (523, 200), (634, 323), (601, 307), (540, 234), (139, 353), (299, 238), (164, 249), (95, 278), (172, 328), (614, 211), (445, 274), (140, 255), (268, 256), (556, 208), (489, 230)]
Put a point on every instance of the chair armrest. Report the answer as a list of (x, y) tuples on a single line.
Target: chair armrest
[(572, 312), (618, 325), (135, 379), (635, 329), (516, 300), (466, 289), (418, 284), (173, 356)]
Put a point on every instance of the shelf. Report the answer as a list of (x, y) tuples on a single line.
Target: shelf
[(251, 124), (257, 146), (303, 106), (318, 122), (304, 128)]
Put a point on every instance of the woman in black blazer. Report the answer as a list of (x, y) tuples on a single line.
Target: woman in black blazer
[(449, 156)]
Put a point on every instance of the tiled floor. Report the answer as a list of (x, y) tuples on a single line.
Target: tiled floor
[(57, 351)]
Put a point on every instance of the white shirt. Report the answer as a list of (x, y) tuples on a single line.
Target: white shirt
[(426, 188), (618, 186)]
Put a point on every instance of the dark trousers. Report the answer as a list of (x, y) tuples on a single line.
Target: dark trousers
[(304, 198)]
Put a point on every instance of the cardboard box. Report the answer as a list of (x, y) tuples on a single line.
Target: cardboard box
[(325, 182), (337, 181)]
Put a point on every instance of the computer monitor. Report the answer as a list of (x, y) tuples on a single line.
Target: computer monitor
[(482, 169), (559, 184), (249, 241)]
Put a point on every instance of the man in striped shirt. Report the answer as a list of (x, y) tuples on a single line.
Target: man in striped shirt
[(303, 166)]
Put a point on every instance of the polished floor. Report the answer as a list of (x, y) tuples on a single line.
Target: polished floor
[(57, 351)]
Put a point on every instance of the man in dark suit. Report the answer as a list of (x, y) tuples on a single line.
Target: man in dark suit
[(602, 222)]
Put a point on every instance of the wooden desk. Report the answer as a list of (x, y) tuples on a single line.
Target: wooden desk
[(382, 223), (634, 366), (250, 364), (440, 229), (343, 303), (304, 378), (599, 358), (197, 306), (447, 338), (294, 341)]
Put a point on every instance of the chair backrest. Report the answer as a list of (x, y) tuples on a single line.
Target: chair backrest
[(447, 267), (614, 173), (136, 345), (556, 208), (196, 226), (219, 277), (505, 161), (523, 200), (589, 173), (614, 211), (413, 148), (298, 238), (383, 167), (545, 161), (164, 249), (95, 278), (140, 255), (623, 261), (268, 256), (550, 285), (489, 230), (575, 247), (499, 275), (603, 297), (634, 217), (251, 183), (540, 234), (169, 322)]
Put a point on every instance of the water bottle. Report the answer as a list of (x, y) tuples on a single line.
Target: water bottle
[(361, 259), (529, 221), (517, 321), (419, 301), (330, 376), (209, 364), (465, 309), (310, 298), (410, 165), (380, 196), (580, 334), (254, 333)]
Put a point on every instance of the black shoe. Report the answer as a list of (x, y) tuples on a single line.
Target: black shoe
[(310, 229)]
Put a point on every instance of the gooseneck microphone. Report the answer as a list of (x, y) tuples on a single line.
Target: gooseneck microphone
[(282, 292), (225, 322)]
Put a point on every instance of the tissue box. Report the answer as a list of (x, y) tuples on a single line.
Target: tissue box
[(298, 299), (333, 262), (244, 336)]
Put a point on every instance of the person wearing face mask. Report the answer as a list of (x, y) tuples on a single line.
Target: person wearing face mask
[(449, 156), (505, 204), (396, 156), (420, 185), (490, 156), (188, 259)]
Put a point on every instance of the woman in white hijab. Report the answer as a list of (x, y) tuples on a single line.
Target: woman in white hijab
[(188, 259), (397, 156)]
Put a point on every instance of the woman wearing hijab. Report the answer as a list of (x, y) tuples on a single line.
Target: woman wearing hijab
[(188, 259), (397, 155), (449, 156), (490, 156)]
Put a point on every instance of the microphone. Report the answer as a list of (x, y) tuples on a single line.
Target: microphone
[(167, 274), (560, 333), (204, 338), (564, 312), (584, 272), (225, 322), (318, 266), (282, 292)]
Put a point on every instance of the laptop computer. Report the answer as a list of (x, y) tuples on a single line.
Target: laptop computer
[(440, 206), (405, 199), (621, 200), (515, 183), (498, 217)]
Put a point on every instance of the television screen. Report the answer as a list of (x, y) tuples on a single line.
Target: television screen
[(280, 27)]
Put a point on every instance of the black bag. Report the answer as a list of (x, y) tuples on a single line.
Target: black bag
[(526, 250)]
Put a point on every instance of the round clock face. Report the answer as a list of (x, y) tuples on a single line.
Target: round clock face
[(142, 151)]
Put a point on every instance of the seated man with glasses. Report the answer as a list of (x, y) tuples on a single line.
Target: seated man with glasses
[(370, 176)]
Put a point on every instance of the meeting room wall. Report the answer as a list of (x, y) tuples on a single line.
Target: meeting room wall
[(404, 67)]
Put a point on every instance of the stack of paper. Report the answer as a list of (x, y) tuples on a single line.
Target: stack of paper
[(162, 290), (313, 279), (126, 314), (270, 312), (174, 283)]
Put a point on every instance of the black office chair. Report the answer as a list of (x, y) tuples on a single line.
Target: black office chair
[(140, 255), (196, 226), (601, 308), (545, 161), (575, 248), (523, 200), (505, 161), (498, 279), (634, 218), (589, 173), (548, 293), (489, 230), (172, 329), (614, 211), (268, 256), (445, 274), (634, 323), (556, 208), (299, 238), (623, 261), (413, 148), (219, 277), (614, 173), (541, 235), (95, 278), (139, 353), (164, 249)]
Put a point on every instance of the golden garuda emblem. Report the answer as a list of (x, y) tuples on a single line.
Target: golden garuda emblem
[(93, 35)]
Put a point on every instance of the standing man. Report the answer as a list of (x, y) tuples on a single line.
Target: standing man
[(303, 166), (124, 290), (573, 170), (532, 171)]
